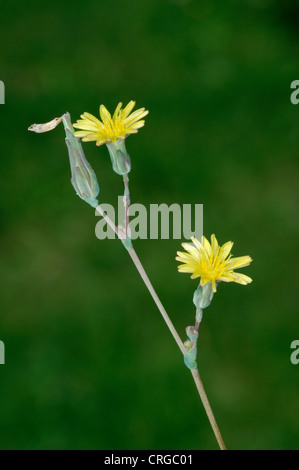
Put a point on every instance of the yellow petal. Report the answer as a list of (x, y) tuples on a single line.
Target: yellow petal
[(226, 277), (91, 117), (105, 115), (101, 142), (242, 278), (90, 138), (186, 256), (206, 245), (191, 249), (240, 262), (138, 124), (118, 108), (185, 269), (131, 131), (195, 276), (136, 116), (126, 111), (225, 250), (82, 133), (88, 125), (196, 243), (214, 244)]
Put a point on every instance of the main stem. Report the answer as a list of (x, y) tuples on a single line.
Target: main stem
[(194, 372), (156, 299), (207, 407)]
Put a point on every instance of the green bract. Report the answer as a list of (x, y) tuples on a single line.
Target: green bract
[(203, 295), (120, 158)]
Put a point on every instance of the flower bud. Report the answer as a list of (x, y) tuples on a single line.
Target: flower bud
[(190, 356), (192, 333), (83, 178), (120, 158), (203, 296)]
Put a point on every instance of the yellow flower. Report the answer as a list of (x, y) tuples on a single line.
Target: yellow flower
[(212, 263), (110, 129)]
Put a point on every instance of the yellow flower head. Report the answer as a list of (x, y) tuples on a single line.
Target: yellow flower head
[(212, 263), (110, 129)]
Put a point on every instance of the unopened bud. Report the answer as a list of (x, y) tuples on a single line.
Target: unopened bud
[(83, 178)]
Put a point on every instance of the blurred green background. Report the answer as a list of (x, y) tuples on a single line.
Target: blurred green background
[(90, 363)]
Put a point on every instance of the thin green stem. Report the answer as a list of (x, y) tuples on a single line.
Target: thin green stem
[(198, 318)]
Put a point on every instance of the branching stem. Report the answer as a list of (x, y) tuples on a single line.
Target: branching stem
[(194, 372)]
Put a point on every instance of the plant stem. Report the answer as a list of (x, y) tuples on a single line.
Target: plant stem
[(198, 318), (194, 372), (207, 407), (126, 202), (156, 299)]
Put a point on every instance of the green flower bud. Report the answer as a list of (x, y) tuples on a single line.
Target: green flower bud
[(203, 296), (192, 333), (83, 178), (120, 158), (190, 356)]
